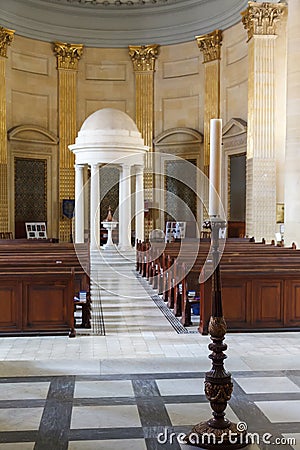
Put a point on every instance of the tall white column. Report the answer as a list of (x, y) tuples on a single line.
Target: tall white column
[(139, 204), (215, 167), (292, 156), (125, 208), (120, 209), (260, 21), (79, 204), (95, 208)]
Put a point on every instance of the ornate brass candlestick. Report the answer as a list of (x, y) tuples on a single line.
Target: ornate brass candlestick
[(217, 432)]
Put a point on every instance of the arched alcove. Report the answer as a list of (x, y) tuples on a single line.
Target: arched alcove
[(172, 148), (33, 178)]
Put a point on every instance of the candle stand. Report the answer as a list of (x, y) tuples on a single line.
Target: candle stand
[(218, 432)]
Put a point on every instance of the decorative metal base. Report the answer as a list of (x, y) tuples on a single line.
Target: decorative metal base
[(205, 436)]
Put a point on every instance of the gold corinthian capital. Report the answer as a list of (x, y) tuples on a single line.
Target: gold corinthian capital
[(261, 18), (6, 37), (210, 45), (67, 55), (143, 57)]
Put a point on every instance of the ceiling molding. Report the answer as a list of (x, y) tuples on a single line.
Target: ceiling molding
[(96, 25)]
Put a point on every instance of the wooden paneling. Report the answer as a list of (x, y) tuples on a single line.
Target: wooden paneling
[(10, 317), (292, 303), (37, 303), (234, 294), (268, 303), (46, 304)]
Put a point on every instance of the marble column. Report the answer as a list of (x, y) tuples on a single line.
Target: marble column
[(6, 37), (260, 22), (139, 204), (143, 59), (210, 46), (95, 207), (79, 204), (292, 155), (67, 56), (125, 208)]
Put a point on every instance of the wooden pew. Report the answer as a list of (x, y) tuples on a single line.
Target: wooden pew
[(35, 260), (252, 274), (36, 302)]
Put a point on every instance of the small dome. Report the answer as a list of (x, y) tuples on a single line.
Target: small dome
[(109, 119)]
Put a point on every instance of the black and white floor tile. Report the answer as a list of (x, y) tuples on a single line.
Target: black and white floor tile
[(141, 411)]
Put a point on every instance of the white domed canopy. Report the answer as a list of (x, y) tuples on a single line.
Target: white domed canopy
[(109, 119), (109, 136)]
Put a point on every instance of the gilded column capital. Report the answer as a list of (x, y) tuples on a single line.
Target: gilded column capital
[(143, 57), (67, 55), (260, 18), (6, 37), (210, 45)]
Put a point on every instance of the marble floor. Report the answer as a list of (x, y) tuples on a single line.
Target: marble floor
[(140, 387)]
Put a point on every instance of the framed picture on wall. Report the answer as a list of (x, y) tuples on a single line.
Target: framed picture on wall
[(36, 230)]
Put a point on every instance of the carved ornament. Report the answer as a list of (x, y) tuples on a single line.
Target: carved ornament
[(67, 55), (260, 18), (217, 327), (210, 45), (219, 393), (143, 57), (6, 37)]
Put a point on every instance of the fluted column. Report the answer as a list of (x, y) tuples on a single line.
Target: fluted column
[(260, 21), (6, 37), (79, 204), (67, 56), (95, 207), (292, 156), (125, 208), (143, 59), (139, 204), (210, 46)]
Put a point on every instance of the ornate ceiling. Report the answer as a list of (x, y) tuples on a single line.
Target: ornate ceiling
[(119, 23)]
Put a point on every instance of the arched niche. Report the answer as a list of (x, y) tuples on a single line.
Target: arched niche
[(170, 146), (33, 149), (234, 175)]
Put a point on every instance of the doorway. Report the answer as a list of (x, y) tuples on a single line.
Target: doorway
[(30, 193)]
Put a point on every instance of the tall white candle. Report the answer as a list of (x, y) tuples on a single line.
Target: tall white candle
[(215, 167)]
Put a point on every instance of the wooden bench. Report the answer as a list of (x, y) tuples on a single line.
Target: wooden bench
[(260, 285), (36, 260), (36, 302)]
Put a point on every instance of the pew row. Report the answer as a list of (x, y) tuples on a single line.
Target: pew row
[(38, 284), (260, 283)]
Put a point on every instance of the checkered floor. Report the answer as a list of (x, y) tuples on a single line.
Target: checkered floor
[(140, 411)]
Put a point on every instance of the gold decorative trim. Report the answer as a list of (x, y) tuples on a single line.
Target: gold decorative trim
[(260, 18), (67, 55), (143, 57), (6, 38), (210, 45)]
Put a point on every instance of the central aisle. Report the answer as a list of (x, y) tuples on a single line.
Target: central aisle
[(127, 306)]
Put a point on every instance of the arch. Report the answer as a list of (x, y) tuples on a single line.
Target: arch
[(32, 134), (235, 133), (178, 135), (171, 145)]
